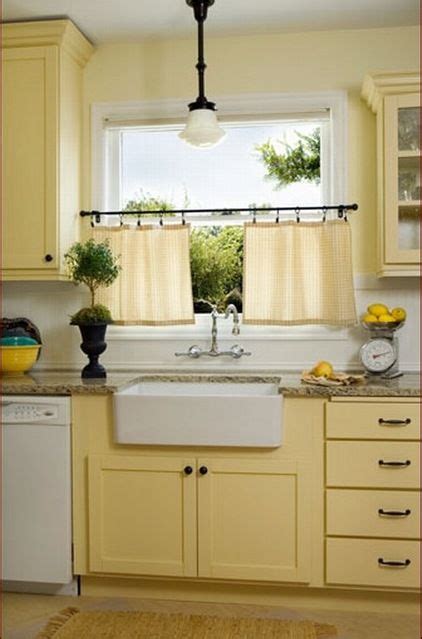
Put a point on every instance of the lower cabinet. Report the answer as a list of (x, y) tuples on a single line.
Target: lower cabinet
[(208, 517), (373, 493), (142, 516)]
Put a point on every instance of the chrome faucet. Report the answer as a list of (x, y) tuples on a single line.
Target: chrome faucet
[(235, 351), (215, 315)]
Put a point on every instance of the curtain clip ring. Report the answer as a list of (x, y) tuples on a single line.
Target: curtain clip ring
[(138, 223), (97, 217), (254, 217), (324, 213), (340, 212), (183, 218), (161, 220), (297, 211), (121, 219), (92, 222), (277, 217)]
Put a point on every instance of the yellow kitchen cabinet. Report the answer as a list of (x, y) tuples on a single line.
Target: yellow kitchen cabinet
[(372, 493), (248, 519), (142, 515), (381, 563), (42, 65), (207, 512), (254, 520), (395, 98)]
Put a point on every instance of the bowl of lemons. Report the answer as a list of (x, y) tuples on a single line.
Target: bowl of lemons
[(379, 317)]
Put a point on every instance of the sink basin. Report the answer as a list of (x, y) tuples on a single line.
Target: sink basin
[(199, 414)]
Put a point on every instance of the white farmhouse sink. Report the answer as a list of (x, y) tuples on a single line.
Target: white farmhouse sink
[(199, 414)]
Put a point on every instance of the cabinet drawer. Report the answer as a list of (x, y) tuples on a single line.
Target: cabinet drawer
[(373, 513), (373, 464), (379, 420), (358, 562)]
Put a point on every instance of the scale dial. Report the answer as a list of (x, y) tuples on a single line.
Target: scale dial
[(378, 355)]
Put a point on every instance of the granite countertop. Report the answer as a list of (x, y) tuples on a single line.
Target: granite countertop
[(70, 383)]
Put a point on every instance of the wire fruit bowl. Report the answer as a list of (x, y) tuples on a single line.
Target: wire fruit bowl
[(382, 327)]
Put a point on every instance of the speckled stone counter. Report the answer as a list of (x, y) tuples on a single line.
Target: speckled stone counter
[(70, 383)]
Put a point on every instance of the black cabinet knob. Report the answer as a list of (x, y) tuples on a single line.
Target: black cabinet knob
[(48, 258), (203, 470), (188, 470)]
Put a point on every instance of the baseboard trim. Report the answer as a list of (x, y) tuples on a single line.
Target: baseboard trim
[(262, 594)]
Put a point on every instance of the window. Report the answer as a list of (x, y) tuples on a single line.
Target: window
[(140, 162)]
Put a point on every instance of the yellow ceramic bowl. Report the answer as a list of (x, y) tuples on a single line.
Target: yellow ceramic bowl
[(16, 360)]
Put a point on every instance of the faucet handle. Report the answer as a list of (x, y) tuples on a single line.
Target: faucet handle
[(237, 351), (193, 351)]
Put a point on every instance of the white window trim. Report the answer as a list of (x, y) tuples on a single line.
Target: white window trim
[(252, 105)]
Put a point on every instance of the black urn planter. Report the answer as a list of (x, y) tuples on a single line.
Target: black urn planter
[(93, 345)]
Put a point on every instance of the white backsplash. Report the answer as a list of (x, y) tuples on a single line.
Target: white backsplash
[(50, 304)]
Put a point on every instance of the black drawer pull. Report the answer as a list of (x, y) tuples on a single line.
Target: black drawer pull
[(394, 464), (394, 422), (394, 564), (188, 470), (203, 470), (48, 257), (394, 513)]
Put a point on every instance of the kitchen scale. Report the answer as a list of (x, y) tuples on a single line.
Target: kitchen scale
[(380, 353)]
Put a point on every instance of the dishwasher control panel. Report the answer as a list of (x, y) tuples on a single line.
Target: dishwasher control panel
[(30, 410)]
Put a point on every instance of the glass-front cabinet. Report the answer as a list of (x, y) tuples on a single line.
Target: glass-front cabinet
[(396, 101)]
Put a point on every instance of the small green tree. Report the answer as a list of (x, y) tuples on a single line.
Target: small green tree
[(300, 163), (93, 264), (216, 255), (144, 201)]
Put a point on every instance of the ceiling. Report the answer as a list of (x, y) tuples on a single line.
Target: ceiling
[(132, 20)]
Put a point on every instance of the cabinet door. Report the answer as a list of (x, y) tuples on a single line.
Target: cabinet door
[(30, 129), (402, 179), (254, 520), (142, 515)]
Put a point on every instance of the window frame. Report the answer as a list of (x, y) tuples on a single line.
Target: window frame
[(247, 106)]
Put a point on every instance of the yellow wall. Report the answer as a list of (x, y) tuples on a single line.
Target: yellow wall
[(295, 62)]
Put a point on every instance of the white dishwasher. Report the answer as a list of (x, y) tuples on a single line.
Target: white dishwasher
[(36, 490)]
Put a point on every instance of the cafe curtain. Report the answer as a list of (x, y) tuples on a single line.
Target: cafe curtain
[(154, 287), (298, 273)]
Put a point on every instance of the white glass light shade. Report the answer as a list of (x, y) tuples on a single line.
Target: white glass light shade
[(202, 129)]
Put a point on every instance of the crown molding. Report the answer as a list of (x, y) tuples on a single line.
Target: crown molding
[(62, 33), (376, 86)]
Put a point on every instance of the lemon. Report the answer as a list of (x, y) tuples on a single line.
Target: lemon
[(322, 369), (368, 317), (399, 314), (378, 309), (386, 317)]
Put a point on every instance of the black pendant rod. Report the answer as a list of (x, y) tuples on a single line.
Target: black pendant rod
[(340, 208), (200, 10)]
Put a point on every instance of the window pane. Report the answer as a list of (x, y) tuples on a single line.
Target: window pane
[(156, 162)]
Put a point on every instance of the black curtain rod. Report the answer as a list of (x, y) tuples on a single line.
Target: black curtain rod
[(340, 208)]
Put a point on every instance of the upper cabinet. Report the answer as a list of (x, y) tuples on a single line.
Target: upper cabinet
[(42, 113), (395, 99)]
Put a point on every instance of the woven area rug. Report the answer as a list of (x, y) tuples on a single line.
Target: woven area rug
[(72, 624)]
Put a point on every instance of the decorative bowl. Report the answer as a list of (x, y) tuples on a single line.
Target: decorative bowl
[(18, 340), (17, 360)]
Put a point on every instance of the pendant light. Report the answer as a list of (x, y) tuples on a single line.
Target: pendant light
[(202, 129)]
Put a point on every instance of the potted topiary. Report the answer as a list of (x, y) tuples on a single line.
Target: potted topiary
[(93, 264)]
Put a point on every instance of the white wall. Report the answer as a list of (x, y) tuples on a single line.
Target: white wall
[(49, 305)]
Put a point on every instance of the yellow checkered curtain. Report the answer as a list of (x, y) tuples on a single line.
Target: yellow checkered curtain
[(298, 273), (154, 287)]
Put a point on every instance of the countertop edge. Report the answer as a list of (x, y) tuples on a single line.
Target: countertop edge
[(290, 385)]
